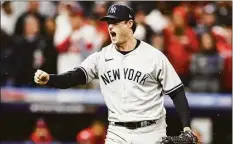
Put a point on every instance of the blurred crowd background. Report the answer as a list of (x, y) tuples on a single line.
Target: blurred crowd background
[(57, 36)]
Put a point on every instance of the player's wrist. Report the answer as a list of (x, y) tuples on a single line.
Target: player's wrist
[(51, 78)]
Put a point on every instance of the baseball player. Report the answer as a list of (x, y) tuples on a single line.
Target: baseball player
[(133, 77)]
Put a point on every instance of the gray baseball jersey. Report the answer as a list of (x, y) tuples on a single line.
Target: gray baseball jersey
[(132, 84)]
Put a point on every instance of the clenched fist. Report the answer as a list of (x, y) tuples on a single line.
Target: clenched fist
[(41, 77)]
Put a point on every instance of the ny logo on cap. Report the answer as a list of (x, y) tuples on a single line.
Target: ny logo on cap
[(113, 9)]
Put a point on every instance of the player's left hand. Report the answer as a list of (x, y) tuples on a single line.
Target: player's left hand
[(186, 137)]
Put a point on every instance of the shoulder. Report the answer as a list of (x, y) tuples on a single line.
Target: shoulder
[(153, 54), (106, 48), (151, 51), (103, 51)]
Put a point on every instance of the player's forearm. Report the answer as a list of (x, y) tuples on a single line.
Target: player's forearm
[(68, 79), (181, 105)]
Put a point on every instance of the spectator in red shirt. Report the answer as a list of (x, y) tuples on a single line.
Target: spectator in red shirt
[(41, 134), (224, 44), (81, 42), (181, 42), (99, 10), (95, 134)]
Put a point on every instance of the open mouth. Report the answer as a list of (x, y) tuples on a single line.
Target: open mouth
[(113, 34)]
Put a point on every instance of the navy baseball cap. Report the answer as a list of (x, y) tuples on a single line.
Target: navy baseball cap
[(119, 12)]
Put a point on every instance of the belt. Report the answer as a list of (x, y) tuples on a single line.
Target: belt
[(134, 125)]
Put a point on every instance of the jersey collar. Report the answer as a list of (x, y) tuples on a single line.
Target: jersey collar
[(127, 52)]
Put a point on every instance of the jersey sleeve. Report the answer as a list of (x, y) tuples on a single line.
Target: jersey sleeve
[(90, 67), (167, 76)]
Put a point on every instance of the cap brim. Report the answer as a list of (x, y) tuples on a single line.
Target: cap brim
[(107, 18)]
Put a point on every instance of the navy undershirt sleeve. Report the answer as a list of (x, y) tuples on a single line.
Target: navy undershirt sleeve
[(181, 104), (68, 79)]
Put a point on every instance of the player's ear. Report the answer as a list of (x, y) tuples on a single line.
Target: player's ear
[(130, 23)]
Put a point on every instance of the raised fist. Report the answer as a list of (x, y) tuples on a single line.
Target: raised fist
[(41, 77)]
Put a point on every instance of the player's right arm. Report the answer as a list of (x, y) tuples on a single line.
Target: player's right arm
[(80, 75), (62, 81)]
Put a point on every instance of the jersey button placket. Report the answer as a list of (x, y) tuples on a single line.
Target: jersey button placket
[(124, 80), (124, 84)]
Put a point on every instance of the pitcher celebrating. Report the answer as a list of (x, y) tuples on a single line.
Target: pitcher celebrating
[(133, 77)]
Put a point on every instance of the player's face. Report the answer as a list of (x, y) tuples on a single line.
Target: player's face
[(119, 31)]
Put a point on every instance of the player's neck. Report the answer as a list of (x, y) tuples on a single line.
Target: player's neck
[(128, 45)]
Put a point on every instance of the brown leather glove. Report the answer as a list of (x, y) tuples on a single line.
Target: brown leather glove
[(186, 137)]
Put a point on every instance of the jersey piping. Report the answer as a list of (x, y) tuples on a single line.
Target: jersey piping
[(171, 90), (85, 72)]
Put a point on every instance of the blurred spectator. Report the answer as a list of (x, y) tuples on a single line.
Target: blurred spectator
[(206, 67), (157, 41), (6, 59), (8, 17), (41, 133), (208, 19), (224, 46), (32, 9), (48, 8), (124, 2), (63, 25), (28, 52), (224, 12), (100, 10), (50, 52), (87, 7), (8, 20), (95, 134), (181, 42), (157, 18), (64, 42), (82, 42), (194, 11), (143, 31), (197, 12), (19, 7)]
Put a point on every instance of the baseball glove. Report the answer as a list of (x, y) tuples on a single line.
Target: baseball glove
[(186, 137)]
